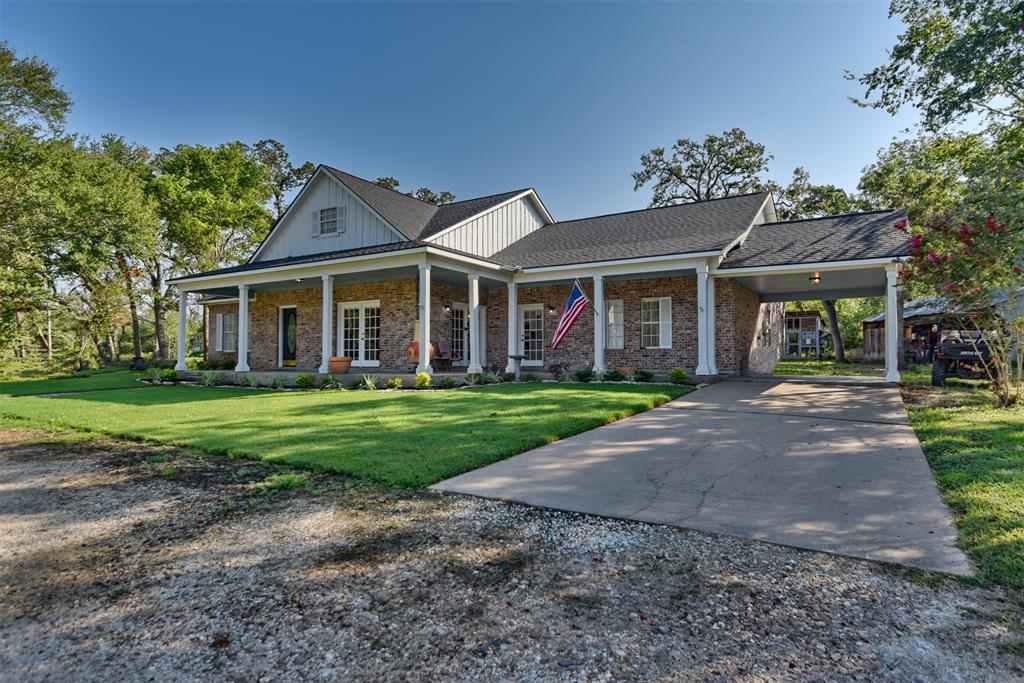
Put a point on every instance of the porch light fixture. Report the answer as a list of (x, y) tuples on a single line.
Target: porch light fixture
[(447, 308), (298, 280), (551, 309), (815, 279)]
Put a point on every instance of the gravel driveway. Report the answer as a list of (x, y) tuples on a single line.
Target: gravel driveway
[(128, 562)]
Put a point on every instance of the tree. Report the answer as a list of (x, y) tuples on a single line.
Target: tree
[(803, 199), (955, 57), (720, 166), (284, 175), (424, 194), (212, 206), (29, 94), (974, 263)]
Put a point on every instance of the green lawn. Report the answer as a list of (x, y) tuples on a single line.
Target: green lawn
[(83, 381), (398, 438), (828, 367), (977, 454)]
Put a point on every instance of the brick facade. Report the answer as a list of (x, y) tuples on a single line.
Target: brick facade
[(748, 332)]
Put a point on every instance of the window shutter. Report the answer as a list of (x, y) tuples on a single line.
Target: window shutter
[(341, 218), (665, 322), (218, 327), (316, 223)]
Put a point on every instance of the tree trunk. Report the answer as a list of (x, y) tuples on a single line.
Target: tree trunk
[(133, 309), (833, 326), (49, 334), (156, 277)]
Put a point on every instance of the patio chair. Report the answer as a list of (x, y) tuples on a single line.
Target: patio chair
[(442, 361)]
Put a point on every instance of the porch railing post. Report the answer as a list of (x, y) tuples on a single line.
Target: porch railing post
[(327, 320), (474, 323), (242, 346), (180, 365), (599, 324), (513, 319), (424, 311)]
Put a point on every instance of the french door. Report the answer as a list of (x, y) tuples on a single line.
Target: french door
[(462, 336), (531, 334), (359, 332)]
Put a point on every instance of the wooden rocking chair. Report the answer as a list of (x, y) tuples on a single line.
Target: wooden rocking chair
[(442, 360)]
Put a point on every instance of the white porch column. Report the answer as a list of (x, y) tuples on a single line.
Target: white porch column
[(513, 321), (327, 324), (598, 323), (892, 328), (703, 367), (474, 324), (712, 353), (182, 321), (424, 364), (242, 365)]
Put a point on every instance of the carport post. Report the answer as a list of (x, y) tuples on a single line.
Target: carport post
[(703, 367), (180, 366), (892, 329)]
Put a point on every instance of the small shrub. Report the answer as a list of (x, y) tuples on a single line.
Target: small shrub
[(357, 383), (278, 381), (422, 380), (678, 376), (369, 382), (209, 378), (640, 375), (493, 378), (153, 375), (253, 381), (509, 376), (303, 381), (394, 383), (330, 382), (168, 375), (614, 376), (584, 375), (474, 378), (565, 375), (193, 363), (447, 382), (227, 364)]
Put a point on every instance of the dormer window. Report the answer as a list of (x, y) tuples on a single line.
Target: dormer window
[(329, 221)]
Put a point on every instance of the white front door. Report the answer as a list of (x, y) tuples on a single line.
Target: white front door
[(358, 332), (460, 334), (531, 334)]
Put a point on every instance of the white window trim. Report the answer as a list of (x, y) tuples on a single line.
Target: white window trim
[(223, 332), (608, 324), (339, 221), (664, 325)]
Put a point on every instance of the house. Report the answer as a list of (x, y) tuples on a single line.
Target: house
[(358, 270), (804, 335)]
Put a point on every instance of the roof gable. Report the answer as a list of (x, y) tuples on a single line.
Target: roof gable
[(407, 214)]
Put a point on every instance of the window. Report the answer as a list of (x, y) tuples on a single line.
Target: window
[(329, 221), (656, 323), (613, 325), (230, 332)]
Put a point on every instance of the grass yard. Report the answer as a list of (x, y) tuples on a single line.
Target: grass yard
[(88, 380), (977, 454), (398, 438), (827, 367)]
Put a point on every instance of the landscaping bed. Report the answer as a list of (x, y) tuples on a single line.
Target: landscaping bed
[(127, 561)]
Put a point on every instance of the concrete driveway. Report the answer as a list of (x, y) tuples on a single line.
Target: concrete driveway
[(816, 465)]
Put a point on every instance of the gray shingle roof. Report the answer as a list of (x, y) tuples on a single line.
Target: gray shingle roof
[(680, 229), (408, 214), (449, 214), (833, 238)]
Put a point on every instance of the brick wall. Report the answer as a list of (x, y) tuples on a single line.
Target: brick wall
[(757, 340)]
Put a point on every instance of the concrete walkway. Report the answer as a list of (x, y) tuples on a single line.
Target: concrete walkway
[(814, 465)]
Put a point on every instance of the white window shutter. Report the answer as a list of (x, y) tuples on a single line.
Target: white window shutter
[(665, 322), (316, 223), (341, 218), (218, 328)]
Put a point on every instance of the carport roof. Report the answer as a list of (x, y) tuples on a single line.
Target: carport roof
[(848, 237)]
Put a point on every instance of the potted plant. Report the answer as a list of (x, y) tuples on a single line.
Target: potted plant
[(339, 365)]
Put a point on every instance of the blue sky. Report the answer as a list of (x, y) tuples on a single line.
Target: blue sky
[(475, 98)]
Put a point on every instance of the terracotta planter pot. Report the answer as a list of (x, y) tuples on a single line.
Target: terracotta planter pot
[(412, 352), (626, 369), (339, 365)]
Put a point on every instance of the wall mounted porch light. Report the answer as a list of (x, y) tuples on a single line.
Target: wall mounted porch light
[(815, 279)]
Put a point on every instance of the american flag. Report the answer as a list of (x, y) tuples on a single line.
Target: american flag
[(574, 308)]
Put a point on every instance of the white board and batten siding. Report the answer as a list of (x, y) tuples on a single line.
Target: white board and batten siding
[(357, 226), (491, 232)]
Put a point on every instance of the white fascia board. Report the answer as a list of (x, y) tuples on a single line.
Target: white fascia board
[(638, 266), (365, 262), (525, 193), (320, 171), (823, 266), (743, 235)]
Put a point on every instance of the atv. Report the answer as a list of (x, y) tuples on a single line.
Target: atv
[(961, 352)]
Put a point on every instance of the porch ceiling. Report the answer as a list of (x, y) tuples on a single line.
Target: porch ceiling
[(796, 286)]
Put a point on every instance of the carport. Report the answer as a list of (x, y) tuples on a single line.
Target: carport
[(836, 257)]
